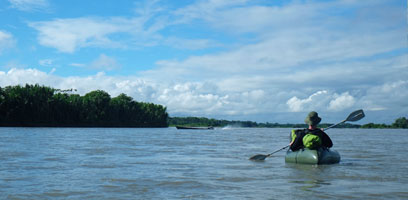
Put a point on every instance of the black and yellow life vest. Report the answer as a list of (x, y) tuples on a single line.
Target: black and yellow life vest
[(309, 138)]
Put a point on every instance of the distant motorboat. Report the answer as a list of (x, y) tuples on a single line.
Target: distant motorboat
[(197, 128)]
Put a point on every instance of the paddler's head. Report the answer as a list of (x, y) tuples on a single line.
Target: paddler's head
[(313, 119)]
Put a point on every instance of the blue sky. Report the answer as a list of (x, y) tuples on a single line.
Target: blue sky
[(259, 60)]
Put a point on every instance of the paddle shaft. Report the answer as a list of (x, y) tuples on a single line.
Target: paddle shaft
[(335, 125), (278, 150)]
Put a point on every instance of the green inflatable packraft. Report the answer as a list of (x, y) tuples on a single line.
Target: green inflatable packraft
[(309, 156)]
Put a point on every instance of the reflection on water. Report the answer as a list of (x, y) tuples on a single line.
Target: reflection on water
[(92, 163), (308, 177)]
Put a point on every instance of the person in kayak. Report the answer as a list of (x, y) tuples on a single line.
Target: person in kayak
[(311, 137)]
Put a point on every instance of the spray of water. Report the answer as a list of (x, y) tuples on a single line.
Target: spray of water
[(232, 126)]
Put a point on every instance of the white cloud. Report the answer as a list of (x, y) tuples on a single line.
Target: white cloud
[(191, 44), (206, 10), (14, 64), (104, 62), (301, 55), (6, 41), (52, 70), (311, 103), (200, 98), (29, 5), (341, 102), (313, 38), (322, 100), (46, 62), (147, 8), (70, 34), (67, 35), (21, 76), (388, 96), (341, 86), (77, 64), (241, 17), (245, 16)]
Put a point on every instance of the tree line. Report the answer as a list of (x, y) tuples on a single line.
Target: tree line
[(35, 105), (401, 122), (202, 121)]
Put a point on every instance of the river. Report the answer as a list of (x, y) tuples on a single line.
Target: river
[(130, 163)]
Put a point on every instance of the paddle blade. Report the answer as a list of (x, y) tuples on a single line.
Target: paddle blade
[(258, 157), (355, 116)]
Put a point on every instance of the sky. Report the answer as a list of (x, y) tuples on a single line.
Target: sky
[(258, 60)]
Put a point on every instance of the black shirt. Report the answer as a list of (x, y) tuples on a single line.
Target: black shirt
[(298, 143)]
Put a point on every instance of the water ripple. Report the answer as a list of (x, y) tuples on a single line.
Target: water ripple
[(90, 163)]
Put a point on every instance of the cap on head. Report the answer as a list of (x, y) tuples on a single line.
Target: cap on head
[(313, 119)]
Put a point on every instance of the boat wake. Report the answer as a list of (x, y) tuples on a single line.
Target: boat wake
[(228, 127)]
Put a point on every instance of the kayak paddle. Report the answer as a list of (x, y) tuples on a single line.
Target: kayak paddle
[(354, 116), (262, 157)]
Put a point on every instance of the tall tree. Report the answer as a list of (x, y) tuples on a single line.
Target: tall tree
[(401, 122)]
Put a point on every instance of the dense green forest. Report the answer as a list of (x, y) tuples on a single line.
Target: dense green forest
[(35, 105), (202, 121)]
